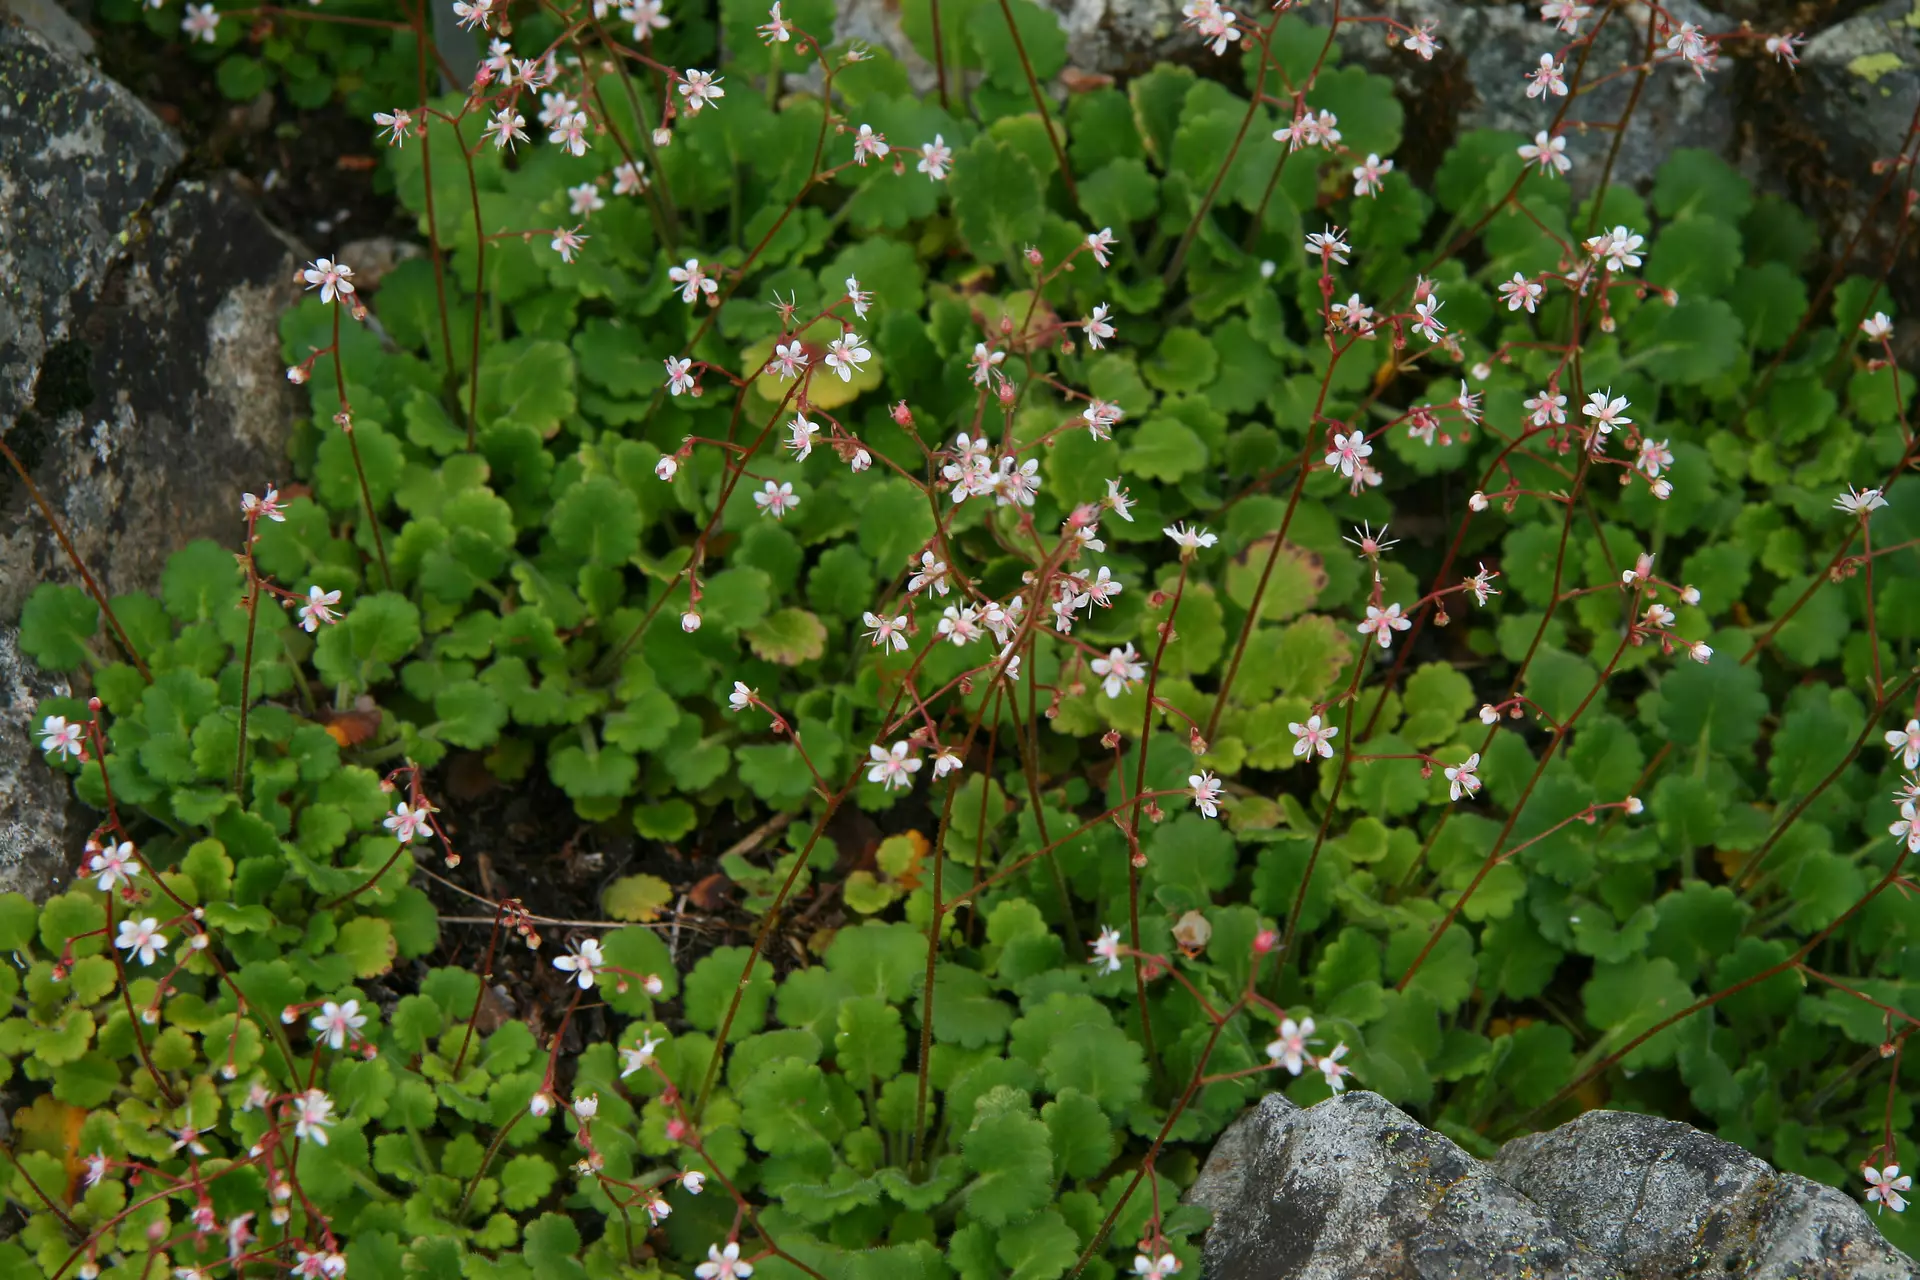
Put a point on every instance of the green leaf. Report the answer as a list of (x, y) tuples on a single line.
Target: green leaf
[(597, 520), (710, 989), (525, 1181), (1009, 1152), (1716, 704), (527, 383), (639, 898), (200, 583), (1082, 1138), (1632, 996), (788, 637), (966, 1010), (787, 1108), (1448, 972), (1041, 35), (368, 945), (1041, 1248), (360, 649), (996, 198), (1163, 449), (1184, 361), (871, 1042), (1437, 696), (56, 624), (895, 523)]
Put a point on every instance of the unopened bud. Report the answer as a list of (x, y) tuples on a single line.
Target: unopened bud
[(902, 416), (1265, 941), (666, 467)]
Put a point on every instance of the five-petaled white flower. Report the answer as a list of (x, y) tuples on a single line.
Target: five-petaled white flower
[(507, 127), (1194, 539), (1098, 330), (860, 298), (312, 1113), (1290, 1050), (1119, 670), (893, 768), (1329, 245), (58, 737), (1607, 411), (1878, 326), (800, 434), (723, 1264), (585, 200), (1907, 743), (789, 358), (335, 279), (1522, 292), (1885, 1186), (1313, 736), (583, 962), (1101, 243), (935, 156), (887, 630), (679, 375), (1106, 950), (586, 1108), (1620, 247), (932, 576), (566, 242), (1462, 779), (1348, 451), (112, 864), (339, 1023), (1382, 623), (570, 133), (268, 506), (629, 178), (1332, 1069), (868, 145), (1205, 789), (1861, 504), (693, 280), (1564, 14), (141, 938), (318, 608), (1549, 151), (776, 499), (1547, 78), (201, 23), (1368, 177), (639, 1057), (406, 822), (846, 356), (1150, 1268), (1420, 40), (775, 29), (700, 88)]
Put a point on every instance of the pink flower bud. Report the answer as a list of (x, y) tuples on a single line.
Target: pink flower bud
[(902, 416)]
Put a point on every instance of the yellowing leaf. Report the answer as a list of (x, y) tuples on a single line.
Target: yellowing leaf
[(637, 898)]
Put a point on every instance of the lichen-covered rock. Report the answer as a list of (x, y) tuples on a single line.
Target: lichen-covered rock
[(140, 378), (1355, 1189), (1662, 1199), (1862, 84)]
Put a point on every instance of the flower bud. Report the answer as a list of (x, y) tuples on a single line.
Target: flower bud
[(1488, 715), (297, 375), (541, 1103), (1265, 941), (902, 416), (1636, 805), (1478, 502), (689, 622), (666, 467)]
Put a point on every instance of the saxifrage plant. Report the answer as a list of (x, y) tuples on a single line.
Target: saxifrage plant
[(778, 439)]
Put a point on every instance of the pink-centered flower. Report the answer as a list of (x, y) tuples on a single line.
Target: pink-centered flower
[(1313, 736), (700, 88), (891, 768), (776, 499), (723, 1264), (318, 608), (141, 938), (1885, 1185), (406, 822), (1382, 623), (113, 864), (1205, 790), (584, 962), (1289, 1050), (334, 279), (58, 737), (935, 158), (339, 1023), (1119, 670), (1462, 778), (1106, 950), (868, 145)]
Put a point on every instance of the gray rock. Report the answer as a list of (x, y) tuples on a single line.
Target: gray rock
[(140, 378), (1862, 84), (1354, 1188), (1661, 1198)]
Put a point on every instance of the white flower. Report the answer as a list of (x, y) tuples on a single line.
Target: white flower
[(948, 761), (1907, 829), (1101, 243), (776, 499), (406, 823), (1462, 778), (1098, 330), (1205, 789), (1620, 247), (1420, 40), (268, 506), (583, 962), (1290, 1050), (1547, 78), (1120, 669), (1878, 326), (861, 299), (586, 1108), (335, 279), (693, 280), (112, 864), (1329, 246), (695, 1182), (1700, 652), (1331, 1068), (639, 1057), (887, 631), (570, 133), (700, 88), (657, 1207), (1488, 715), (667, 467), (629, 178), (846, 356), (1885, 1186), (742, 697), (868, 145), (689, 622), (59, 737), (931, 577), (679, 376), (339, 1023), (893, 768), (1862, 504), (1120, 501), (141, 938), (318, 608), (1193, 539), (1106, 950), (1155, 1268), (1607, 411), (1522, 292), (1313, 736), (800, 434), (1548, 151), (1368, 177), (935, 156), (507, 127), (1348, 451), (723, 1264), (201, 22), (313, 1112), (1907, 743), (1382, 623)]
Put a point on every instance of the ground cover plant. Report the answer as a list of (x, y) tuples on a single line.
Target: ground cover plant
[(1293, 628)]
